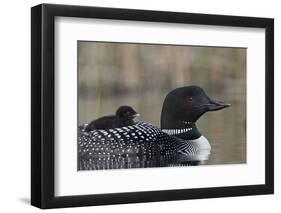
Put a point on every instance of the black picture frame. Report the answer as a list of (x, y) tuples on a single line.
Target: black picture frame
[(43, 105)]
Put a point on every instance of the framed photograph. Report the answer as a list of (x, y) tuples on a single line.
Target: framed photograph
[(139, 106)]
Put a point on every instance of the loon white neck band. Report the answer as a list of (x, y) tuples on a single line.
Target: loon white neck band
[(176, 131)]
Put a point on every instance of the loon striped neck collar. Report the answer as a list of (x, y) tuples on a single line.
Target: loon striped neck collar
[(188, 132), (176, 131)]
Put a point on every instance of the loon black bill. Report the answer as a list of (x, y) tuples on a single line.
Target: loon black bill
[(216, 105)]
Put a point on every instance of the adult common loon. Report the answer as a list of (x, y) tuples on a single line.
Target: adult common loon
[(178, 135), (124, 116)]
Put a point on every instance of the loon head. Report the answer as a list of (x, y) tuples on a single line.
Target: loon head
[(183, 106), (126, 112)]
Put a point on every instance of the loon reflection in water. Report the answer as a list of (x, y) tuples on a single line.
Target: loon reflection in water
[(142, 145), (138, 162)]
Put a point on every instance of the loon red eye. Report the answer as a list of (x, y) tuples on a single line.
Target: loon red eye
[(189, 98)]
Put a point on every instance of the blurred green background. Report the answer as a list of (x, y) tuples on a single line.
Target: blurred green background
[(140, 75)]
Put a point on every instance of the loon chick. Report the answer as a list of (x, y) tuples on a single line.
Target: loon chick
[(124, 116), (178, 135)]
